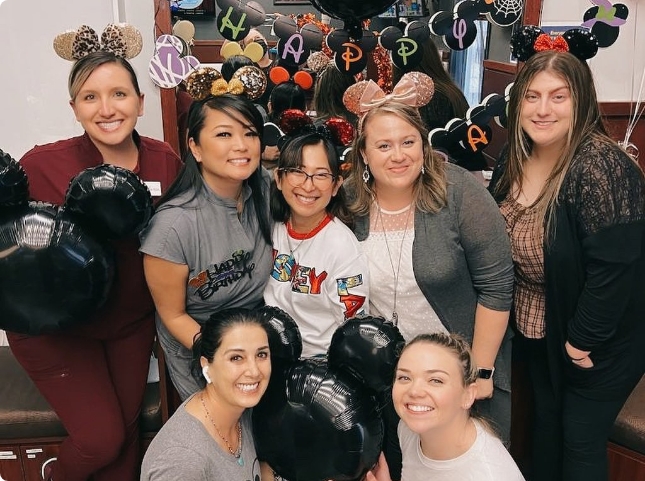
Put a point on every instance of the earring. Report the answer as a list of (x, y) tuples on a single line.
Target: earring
[(423, 169), (366, 174), (206, 376)]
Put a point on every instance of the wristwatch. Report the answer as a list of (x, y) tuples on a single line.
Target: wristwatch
[(485, 372)]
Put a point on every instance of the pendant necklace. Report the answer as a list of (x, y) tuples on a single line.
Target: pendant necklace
[(309, 235), (395, 273), (237, 453)]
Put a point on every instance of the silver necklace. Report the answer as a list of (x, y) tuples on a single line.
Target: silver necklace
[(237, 453), (395, 273), (307, 236)]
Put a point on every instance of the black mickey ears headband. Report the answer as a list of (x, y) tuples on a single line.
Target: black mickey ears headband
[(530, 40)]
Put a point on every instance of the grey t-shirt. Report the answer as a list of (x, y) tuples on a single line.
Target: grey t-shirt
[(229, 261), (183, 450)]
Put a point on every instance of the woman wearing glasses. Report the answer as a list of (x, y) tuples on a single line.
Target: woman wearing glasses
[(319, 274)]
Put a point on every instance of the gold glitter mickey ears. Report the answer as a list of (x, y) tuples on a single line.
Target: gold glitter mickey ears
[(123, 40)]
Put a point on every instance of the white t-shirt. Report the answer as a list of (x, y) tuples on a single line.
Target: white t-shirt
[(486, 460), (322, 283)]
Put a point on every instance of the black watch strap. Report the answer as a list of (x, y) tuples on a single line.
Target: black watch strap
[(485, 372)]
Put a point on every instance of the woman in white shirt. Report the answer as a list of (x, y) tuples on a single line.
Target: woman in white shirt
[(434, 389)]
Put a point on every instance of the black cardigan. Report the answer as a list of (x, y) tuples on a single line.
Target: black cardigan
[(594, 267)]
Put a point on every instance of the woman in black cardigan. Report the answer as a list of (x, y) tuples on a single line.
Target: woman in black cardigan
[(574, 204)]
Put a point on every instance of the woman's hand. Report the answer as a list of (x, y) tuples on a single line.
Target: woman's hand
[(578, 357), (484, 389)]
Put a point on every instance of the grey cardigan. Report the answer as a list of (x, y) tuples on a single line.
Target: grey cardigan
[(461, 257)]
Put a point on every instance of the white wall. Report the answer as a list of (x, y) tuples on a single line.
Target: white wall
[(617, 69), (33, 87)]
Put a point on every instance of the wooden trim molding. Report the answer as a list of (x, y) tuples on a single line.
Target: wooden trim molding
[(532, 12), (163, 25), (505, 67)]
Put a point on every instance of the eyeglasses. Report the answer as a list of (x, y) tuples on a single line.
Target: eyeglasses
[(297, 177)]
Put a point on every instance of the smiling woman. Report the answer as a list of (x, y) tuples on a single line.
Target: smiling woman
[(100, 368), (209, 437), (434, 389), (208, 247)]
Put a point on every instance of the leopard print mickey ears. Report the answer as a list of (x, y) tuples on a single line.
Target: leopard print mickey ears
[(123, 40)]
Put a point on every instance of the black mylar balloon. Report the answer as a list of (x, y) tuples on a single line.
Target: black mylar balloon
[(14, 186), (52, 273), (314, 424), (357, 10), (109, 201), (285, 340), (369, 348)]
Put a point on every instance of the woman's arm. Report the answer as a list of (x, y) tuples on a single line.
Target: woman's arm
[(167, 283), (488, 251), (490, 327)]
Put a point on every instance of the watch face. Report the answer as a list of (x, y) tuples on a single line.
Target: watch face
[(483, 373)]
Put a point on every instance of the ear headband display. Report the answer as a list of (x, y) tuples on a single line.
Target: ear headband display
[(253, 51), (302, 79), (414, 89), (122, 40), (206, 81)]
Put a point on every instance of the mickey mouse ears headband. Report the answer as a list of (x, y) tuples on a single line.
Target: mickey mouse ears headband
[(414, 89), (296, 123), (206, 81), (122, 40), (530, 40)]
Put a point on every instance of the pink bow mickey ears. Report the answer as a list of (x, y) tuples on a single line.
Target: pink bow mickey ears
[(414, 89)]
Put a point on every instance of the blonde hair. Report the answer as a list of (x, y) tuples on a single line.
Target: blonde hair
[(430, 192), (84, 67), (457, 345), (586, 123)]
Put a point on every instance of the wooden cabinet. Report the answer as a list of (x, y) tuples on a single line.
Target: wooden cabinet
[(10, 464), (23, 462)]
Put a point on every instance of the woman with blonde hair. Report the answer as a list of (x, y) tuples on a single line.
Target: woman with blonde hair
[(439, 257), (434, 389)]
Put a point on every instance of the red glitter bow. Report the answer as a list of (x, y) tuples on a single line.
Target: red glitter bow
[(545, 42), (294, 123)]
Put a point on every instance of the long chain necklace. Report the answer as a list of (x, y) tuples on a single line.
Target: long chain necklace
[(395, 273), (307, 236), (237, 453)]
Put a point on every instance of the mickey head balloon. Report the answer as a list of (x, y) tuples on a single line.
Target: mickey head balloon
[(369, 348), (14, 186), (53, 275), (352, 10), (285, 341), (55, 269), (109, 201), (315, 423)]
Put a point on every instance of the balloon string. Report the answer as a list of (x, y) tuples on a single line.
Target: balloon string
[(636, 113)]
